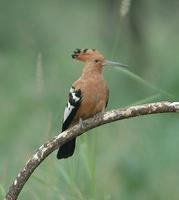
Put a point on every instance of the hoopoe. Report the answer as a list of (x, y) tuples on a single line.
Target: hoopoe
[(88, 95)]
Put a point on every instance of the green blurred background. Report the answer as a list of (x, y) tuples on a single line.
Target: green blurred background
[(134, 159)]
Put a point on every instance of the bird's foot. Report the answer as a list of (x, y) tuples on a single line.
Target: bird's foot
[(81, 123), (101, 113)]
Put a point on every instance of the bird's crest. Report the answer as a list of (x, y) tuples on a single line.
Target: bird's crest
[(86, 54)]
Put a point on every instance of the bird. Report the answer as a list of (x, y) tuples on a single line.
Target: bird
[(88, 95)]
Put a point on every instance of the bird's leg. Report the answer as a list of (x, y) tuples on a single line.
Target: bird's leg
[(100, 114), (81, 123), (103, 111)]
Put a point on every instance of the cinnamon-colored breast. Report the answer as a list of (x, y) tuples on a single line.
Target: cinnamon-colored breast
[(95, 95)]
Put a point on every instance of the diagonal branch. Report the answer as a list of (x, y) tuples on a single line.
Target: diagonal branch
[(100, 119)]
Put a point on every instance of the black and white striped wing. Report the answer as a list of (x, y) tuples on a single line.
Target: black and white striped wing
[(71, 107)]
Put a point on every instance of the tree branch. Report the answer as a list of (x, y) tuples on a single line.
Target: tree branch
[(100, 119)]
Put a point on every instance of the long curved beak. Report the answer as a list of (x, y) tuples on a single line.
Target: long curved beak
[(117, 64)]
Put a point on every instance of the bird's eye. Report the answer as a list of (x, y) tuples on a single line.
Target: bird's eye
[(96, 61)]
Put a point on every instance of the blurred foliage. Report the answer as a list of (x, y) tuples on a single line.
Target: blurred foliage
[(131, 159)]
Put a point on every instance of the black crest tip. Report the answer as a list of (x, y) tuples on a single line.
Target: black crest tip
[(77, 50), (73, 56), (85, 50), (76, 53)]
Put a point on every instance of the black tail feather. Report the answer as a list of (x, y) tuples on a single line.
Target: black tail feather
[(67, 149)]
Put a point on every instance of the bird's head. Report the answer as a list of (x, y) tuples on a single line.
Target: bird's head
[(94, 57)]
